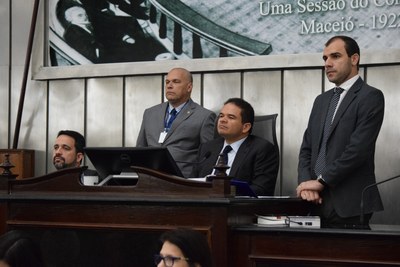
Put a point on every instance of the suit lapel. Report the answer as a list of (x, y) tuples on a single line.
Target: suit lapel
[(351, 94), (241, 156), (160, 120), (324, 110), (183, 115)]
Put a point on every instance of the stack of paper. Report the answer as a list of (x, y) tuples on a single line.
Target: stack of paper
[(272, 220)]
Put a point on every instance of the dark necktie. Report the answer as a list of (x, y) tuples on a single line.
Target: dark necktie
[(225, 152), (172, 117), (321, 160)]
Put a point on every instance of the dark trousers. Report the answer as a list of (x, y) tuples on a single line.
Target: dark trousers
[(330, 219)]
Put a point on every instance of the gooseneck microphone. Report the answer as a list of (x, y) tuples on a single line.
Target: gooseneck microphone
[(366, 189), (206, 156)]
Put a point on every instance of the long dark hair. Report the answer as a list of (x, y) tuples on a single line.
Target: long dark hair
[(193, 245)]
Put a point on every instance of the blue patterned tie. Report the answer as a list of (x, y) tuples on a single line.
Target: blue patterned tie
[(172, 117), (225, 152), (321, 160)]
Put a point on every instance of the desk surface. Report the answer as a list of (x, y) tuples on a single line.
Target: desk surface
[(376, 229), (284, 246)]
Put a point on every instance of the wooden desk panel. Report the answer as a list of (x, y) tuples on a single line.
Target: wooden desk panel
[(120, 225), (57, 205), (322, 247)]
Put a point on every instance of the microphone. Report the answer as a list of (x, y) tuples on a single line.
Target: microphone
[(366, 189), (206, 156)]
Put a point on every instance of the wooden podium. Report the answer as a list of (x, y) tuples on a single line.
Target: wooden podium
[(78, 225), (119, 225)]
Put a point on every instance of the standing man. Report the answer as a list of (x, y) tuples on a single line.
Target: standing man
[(251, 158), (336, 160), (179, 124)]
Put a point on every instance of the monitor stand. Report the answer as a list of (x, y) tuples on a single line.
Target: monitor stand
[(125, 178)]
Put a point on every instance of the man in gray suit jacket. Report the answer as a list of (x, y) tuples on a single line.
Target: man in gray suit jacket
[(346, 147), (180, 124), (251, 159)]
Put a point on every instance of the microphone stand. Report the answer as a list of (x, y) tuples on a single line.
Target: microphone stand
[(367, 188), (26, 70)]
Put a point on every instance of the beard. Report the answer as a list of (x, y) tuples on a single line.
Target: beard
[(60, 164)]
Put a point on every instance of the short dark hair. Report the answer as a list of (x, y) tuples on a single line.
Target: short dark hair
[(350, 45), (80, 142), (193, 245), (247, 111)]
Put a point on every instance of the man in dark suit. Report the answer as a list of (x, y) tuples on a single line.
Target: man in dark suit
[(102, 37), (181, 132), (251, 159), (68, 151), (79, 34), (336, 160), (85, 43)]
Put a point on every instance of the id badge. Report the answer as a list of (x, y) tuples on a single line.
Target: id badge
[(163, 134)]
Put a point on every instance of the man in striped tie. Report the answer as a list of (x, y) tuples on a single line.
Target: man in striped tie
[(336, 160)]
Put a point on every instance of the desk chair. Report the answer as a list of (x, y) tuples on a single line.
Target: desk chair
[(265, 127)]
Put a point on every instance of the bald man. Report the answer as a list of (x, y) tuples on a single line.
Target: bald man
[(179, 124)]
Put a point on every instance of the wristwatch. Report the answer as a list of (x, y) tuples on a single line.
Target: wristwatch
[(321, 180)]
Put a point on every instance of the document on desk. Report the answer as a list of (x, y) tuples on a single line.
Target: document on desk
[(272, 221)]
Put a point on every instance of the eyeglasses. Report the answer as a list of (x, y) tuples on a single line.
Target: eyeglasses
[(168, 260)]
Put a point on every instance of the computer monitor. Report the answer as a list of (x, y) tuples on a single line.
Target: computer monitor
[(117, 160)]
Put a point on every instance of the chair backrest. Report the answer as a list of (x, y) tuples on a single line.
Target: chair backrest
[(265, 127)]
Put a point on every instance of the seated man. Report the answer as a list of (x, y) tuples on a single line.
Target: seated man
[(102, 37), (250, 158), (79, 32), (68, 151)]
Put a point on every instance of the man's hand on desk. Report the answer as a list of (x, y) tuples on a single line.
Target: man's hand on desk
[(309, 191)]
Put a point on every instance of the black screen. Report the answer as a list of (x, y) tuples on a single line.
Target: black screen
[(114, 160)]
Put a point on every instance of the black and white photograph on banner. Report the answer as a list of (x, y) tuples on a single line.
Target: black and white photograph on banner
[(111, 31)]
